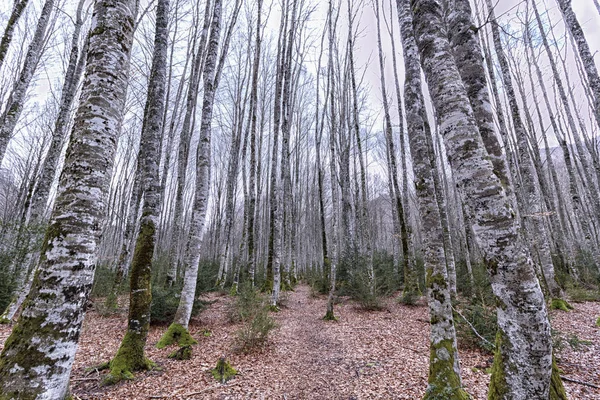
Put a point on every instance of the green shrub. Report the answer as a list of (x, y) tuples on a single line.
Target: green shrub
[(251, 308), (207, 276), (7, 287), (165, 302), (561, 340), (359, 289), (104, 281), (579, 293), (479, 317)]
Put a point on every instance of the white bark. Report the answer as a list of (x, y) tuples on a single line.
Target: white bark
[(49, 327), (188, 294), (524, 357), (16, 101)]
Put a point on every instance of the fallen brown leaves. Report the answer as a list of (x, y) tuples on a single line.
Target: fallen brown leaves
[(365, 355)]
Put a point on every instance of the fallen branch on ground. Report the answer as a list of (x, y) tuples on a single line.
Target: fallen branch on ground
[(567, 379)]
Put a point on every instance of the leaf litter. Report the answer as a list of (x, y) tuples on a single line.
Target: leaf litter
[(364, 355)]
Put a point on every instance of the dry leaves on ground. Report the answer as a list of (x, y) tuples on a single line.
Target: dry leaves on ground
[(365, 355)]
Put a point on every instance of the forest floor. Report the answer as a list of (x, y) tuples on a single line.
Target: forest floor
[(364, 355)]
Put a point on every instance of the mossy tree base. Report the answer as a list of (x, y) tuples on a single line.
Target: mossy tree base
[(560, 304), (223, 371), (183, 353), (557, 390), (329, 316), (129, 359), (176, 334), (444, 381), (445, 394)]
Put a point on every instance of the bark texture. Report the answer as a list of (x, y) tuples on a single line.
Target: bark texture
[(523, 360), (444, 369), (16, 101), (37, 357), (130, 356), (17, 10)]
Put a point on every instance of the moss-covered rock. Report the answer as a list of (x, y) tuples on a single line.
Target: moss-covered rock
[(176, 334), (560, 304), (598, 322), (223, 371)]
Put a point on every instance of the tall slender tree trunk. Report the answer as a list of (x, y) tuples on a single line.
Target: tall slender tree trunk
[(250, 226), (37, 358), (178, 239), (523, 360), (16, 101), (130, 356), (7, 36), (585, 54), (411, 284), (178, 330), (333, 243)]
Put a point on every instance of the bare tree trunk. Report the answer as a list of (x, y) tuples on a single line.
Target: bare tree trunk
[(444, 369), (49, 327), (178, 239), (16, 101), (250, 227), (333, 243), (130, 356), (411, 284), (17, 10), (523, 360)]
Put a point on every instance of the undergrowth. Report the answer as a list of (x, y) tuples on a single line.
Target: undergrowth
[(251, 308)]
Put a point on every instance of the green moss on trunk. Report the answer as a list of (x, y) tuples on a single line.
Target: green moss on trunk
[(560, 304), (129, 359), (223, 371), (329, 316), (444, 382), (498, 387), (182, 353), (176, 334), (557, 390)]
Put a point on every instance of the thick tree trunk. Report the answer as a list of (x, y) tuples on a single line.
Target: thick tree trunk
[(523, 360), (39, 199), (444, 369), (37, 357)]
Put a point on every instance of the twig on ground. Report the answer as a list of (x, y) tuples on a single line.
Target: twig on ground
[(567, 379), (194, 393)]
